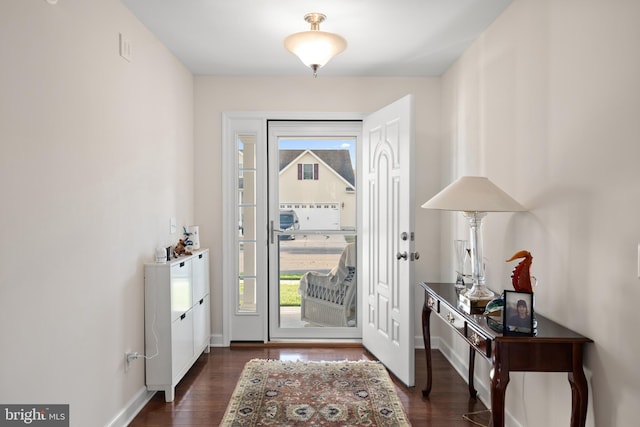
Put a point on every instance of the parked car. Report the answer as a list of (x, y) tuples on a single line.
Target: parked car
[(288, 221)]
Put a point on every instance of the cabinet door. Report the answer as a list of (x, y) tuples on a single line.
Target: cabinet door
[(181, 288), (200, 276), (201, 324), (182, 343)]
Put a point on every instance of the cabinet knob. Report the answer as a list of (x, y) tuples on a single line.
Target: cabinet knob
[(451, 318)]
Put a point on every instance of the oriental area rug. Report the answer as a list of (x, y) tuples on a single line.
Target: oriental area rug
[(287, 393)]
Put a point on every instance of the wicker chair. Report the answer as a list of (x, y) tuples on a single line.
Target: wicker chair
[(330, 299)]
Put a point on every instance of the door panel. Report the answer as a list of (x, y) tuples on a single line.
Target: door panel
[(312, 206), (244, 189), (387, 237)]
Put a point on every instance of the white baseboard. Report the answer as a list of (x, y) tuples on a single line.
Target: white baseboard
[(217, 341), (132, 408)]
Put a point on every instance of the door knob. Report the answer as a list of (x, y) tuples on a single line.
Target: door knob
[(402, 255)]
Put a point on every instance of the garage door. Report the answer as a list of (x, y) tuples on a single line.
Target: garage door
[(316, 216)]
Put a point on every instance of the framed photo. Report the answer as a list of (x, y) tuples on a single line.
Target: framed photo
[(518, 313)]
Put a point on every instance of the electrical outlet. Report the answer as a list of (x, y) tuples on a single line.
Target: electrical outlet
[(129, 357)]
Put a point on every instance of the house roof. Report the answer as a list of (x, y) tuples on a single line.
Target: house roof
[(338, 160)]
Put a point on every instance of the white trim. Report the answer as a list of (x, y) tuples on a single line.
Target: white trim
[(132, 408), (229, 232)]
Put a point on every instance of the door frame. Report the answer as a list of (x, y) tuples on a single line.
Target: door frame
[(256, 122)]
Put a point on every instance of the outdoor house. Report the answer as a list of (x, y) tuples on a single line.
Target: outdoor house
[(319, 185)]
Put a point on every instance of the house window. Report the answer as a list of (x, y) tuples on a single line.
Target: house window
[(308, 171)]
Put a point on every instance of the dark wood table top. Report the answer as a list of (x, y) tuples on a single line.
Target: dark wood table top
[(547, 329)]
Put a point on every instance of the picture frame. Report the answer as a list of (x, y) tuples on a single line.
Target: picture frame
[(518, 313)]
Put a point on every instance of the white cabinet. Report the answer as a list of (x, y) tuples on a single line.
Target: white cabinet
[(177, 319)]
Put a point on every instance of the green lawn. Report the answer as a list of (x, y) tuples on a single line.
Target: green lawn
[(289, 296)]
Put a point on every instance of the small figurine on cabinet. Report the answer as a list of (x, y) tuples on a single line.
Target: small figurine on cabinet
[(181, 249), (521, 277)]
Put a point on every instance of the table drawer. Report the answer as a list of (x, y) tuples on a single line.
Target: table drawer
[(479, 341)]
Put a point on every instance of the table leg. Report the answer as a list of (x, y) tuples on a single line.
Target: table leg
[(426, 336), (579, 389), (499, 381), (472, 362)]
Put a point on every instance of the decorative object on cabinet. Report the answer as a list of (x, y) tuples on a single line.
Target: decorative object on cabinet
[(474, 196), (181, 249), (194, 237), (521, 276), (518, 313), (463, 254), (161, 255), (177, 319)]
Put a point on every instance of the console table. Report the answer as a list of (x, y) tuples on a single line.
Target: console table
[(554, 348)]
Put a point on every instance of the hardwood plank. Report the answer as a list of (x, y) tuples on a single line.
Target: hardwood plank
[(202, 396)]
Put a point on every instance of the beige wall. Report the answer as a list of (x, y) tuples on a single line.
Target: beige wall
[(97, 154), (546, 104), (330, 188)]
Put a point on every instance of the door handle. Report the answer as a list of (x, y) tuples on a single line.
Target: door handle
[(402, 255), (273, 231)]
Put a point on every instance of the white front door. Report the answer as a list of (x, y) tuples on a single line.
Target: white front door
[(388, 237)]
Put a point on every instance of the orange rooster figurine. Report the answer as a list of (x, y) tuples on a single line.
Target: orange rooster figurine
[(520, 277)]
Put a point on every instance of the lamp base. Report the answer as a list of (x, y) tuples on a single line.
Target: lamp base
[(479, 292), (475, 300)]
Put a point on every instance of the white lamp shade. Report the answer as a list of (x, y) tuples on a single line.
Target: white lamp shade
[(473, 194), (315, 47)]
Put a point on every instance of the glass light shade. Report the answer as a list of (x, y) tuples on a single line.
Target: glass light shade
[(315, 47)]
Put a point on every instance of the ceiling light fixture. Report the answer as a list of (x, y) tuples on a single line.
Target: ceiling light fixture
[(314, 47)]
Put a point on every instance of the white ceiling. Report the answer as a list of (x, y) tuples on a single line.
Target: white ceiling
[(385, 37)]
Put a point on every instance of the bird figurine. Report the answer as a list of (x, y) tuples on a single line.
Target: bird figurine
[(521, 278)]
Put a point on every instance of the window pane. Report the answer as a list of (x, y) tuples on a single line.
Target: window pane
[(307, 171), (246, 211)]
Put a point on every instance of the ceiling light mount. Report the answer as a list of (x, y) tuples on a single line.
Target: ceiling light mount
[(314, 47), (315, 19)]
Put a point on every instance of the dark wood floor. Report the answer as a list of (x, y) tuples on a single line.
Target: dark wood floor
[(202, 396)]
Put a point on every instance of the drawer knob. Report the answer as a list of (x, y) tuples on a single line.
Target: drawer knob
[(451, 318), (475, 339)]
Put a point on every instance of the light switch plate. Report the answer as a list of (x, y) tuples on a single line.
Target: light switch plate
[(173, 225)]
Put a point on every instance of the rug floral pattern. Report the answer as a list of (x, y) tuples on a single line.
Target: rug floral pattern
[(286, 393)]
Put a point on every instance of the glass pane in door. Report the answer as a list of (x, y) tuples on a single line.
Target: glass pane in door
[(317, 241), (246, 211)]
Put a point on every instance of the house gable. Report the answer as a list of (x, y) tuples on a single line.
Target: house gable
[(338, 161)]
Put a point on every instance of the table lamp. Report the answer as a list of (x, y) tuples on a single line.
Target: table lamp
[(474, 196)]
